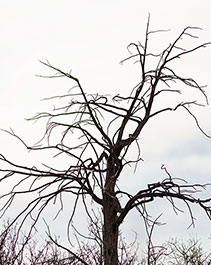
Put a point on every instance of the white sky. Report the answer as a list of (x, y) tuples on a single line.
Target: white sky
[(90, 37)]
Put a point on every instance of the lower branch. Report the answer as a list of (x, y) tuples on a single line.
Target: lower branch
[(169, 189)]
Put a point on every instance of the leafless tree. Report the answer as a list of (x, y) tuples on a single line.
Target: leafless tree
[(51, 252), (189, 252), (176, 252), (97, 149)]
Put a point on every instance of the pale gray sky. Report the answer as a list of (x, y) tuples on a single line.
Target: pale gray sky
[(90, 37)]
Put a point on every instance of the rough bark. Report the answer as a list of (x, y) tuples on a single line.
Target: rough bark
[(110, 232), (111, 207)]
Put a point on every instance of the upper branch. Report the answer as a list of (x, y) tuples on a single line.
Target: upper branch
[(94, 119), (146, 92)]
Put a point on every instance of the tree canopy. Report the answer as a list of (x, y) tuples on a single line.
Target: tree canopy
[(93, 134)]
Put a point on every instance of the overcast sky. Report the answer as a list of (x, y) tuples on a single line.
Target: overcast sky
[(90, 37)]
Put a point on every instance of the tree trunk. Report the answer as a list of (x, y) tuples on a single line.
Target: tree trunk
[(110, 231)]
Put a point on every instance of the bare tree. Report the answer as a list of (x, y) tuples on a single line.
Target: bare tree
[(97, 149), (189, 252), (51, 252), (176, 252)]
